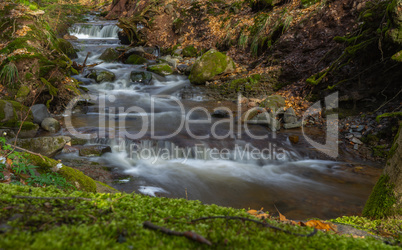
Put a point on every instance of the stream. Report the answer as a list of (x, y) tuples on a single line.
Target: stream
[(163, 137)]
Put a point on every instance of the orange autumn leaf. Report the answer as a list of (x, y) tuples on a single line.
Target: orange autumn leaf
[(321, 225), (9, 162), (282, 217)]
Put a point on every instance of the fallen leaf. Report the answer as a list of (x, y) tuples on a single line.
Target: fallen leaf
[(321, 225)]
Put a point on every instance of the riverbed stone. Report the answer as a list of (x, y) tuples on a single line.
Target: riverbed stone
[(169, 60), (289, 116), (220, 113), (273, 103), (292, 125), (47, 146), (263, 118), (22, 93), (39, 112), (162, 69), (109, 55), (28, 130), (100, 75), (50, 124), (136, 51), (11, 113), (142, 77), (94, 150), (136, 59), (209, 65)]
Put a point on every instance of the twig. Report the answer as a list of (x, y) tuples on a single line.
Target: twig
[(85, 61), (385, 103), (188, 234), (256, 221), (50, 198), (26, 150)]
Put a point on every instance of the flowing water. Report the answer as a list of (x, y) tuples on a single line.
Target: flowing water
[(166, 156)]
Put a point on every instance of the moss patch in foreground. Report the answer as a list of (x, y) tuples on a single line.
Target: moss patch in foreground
[(114, 221)]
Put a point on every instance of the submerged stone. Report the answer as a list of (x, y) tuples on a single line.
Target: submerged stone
[(109, 55), (142, 77)]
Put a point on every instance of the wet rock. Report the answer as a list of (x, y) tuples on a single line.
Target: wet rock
[(162, 69), (142, 77), (294, 139), (100, 75), (169, 60), (220, 113), (67, 48), (28, 130), (177, 52), (182, 68), (136, 59), (11, 113), (263, 118), (356, 146), (289, 116), (136, 51), (252, 104), (209, 65), (246, 116), (109, 55), (50, 124), (47, 146), (69, 37), (94, 150), (273, 103), (292, 125), (356, 141), (124, 40), (39, 112), (190, 51)]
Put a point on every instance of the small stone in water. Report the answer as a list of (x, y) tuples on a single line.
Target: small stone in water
[(294, 139)]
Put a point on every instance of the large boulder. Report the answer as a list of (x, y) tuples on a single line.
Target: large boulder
[(47, 146), (67, 48), (109, 55), (395, 32), (12, 112), (39, 112), (142, 77), (162, 69), (50, 124), (209, 65)]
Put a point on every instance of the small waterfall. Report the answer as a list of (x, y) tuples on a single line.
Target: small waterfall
[(94, 31)]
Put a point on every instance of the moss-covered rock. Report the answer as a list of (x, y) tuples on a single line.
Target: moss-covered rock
[(136, 59), (48, 146), (386, 197), (189, 51), (142, 77), (11, 112), (209, 65), (273, 102), (109, 55), (67, 48), (73, 176), (101, 75), (23, 92), (397, 57), (94, 150), (28, 130), (162, 69)]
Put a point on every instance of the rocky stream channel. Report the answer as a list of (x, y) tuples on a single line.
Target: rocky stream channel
[(140, 121)]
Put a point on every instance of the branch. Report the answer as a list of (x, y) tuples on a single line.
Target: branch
[(190, 235), (25, 150), (50, 198), (256, 221)]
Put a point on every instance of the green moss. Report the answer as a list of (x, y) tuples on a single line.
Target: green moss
[(380, 151), (136, 59), (209, 65), (23, 91), (395, 144), (381, 200), (28, 76), (11, 113), (394, 114), (163, 69), (190, 51), (115, 221), (66, 47), (28, 126)]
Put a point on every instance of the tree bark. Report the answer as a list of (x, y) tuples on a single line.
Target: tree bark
[(386, 197)]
